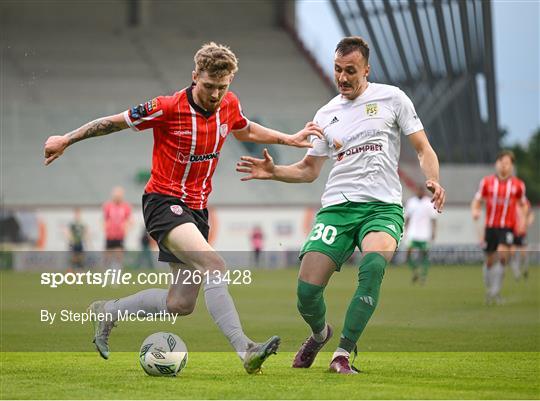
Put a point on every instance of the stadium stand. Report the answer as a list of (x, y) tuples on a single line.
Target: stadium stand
[(65, 65)]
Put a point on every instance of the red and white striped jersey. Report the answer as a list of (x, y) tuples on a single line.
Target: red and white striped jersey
[(187, 142), (501, 197), (116, 215)]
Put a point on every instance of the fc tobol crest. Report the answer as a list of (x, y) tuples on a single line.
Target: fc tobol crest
[(223, 130), (371, 109), (176, 209)]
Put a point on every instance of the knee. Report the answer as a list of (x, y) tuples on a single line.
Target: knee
[(373, 266), (211, 262), (308, 293), (180, 306)]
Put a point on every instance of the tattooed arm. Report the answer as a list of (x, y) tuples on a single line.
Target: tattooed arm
[(55, 145)]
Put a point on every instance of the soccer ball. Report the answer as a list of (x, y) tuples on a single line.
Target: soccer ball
[(163, 354)]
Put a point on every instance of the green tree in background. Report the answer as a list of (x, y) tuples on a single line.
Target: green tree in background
[(528, 166)]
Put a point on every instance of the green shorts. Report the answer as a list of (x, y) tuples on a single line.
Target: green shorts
[(422, 245), (339, 229)]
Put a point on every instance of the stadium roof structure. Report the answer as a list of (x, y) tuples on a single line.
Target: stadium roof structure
[(440, 52)]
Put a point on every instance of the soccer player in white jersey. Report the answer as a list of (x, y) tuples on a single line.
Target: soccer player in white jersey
[(420, 225), (361, 205)]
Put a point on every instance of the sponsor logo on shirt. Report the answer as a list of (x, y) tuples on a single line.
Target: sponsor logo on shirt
[(370, 147), (334, 120), (183, 132), (223, 130), (203, 158), (372, 109), (368, 132), (176, 209)]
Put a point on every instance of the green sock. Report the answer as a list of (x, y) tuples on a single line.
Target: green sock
[(311, 305), (412, 262), (425, 264), (364, 299)]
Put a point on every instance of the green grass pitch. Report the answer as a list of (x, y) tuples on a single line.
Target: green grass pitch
[(433, 342)]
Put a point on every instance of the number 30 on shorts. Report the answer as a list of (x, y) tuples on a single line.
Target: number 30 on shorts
[(326, 233)]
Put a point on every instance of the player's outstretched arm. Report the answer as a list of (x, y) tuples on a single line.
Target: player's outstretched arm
[(430, 166), (257, 133), (306, 170), (476, 205), (476, 208), (56, 144)]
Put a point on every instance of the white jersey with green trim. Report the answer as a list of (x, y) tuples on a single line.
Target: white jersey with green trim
[(420, 213), (362, 137)]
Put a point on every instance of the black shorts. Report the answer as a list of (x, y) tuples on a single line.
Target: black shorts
[(114, 244), (495, 236), (520, 240), (162, 213)]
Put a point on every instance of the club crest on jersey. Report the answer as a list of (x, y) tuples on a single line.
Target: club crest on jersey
[(223, 130), (182, 158), (372, 109), (176, 209)]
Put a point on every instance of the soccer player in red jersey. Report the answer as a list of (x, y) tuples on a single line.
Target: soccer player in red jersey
[(189, 128), (117, 219), (502, 193)]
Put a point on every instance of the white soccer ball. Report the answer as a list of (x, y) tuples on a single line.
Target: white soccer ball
[(163, 354)]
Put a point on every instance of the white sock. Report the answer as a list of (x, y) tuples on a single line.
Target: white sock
[(491, 280), (153, 300), (340, 352), (221, 307), (320, 337), (497, 276)]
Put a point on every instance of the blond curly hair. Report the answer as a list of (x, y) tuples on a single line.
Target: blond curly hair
[(217, 60)]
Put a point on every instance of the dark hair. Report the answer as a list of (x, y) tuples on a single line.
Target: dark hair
[(508, 153), (353, 43)]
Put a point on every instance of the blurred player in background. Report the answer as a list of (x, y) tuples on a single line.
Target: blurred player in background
[(190, 127), (361, 205), (76, 235), (420, 226), (117, 221), (257, 241), (145, 259), (524, 219), (502, 193)]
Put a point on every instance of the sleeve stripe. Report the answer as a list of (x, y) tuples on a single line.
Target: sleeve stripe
[(479, 194), (128, 121)]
